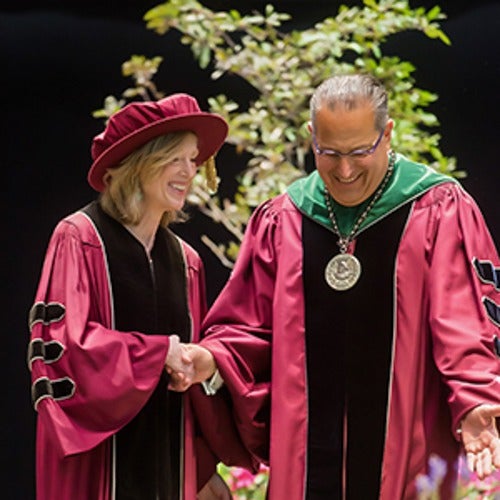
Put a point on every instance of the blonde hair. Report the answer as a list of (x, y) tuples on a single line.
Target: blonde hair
[(122, 196)]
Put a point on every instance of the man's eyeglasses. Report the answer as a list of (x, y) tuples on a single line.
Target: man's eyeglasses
[(355, 154)]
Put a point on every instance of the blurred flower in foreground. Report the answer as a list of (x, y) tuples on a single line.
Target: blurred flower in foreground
[(470, 487), (243, 484), (428, 485), (246, 486)]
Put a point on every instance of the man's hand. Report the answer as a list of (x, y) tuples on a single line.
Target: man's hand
[(215, 489), (480, 438), (201, 367)]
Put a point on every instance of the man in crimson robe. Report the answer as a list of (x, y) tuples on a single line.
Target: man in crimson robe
[(357, 335)]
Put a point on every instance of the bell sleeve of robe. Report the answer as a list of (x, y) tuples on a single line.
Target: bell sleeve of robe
[(464, 298), (214, 429), (89, 380), (237, 330)]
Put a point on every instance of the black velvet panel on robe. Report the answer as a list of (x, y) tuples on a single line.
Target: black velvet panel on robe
[(149, 297), (349, 348)]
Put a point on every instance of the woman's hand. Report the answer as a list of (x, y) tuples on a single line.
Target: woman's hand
[(179, 364)]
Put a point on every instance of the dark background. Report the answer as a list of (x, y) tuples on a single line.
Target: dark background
[(58, 60)]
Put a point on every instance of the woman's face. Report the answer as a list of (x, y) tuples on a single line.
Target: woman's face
[(168, 190)]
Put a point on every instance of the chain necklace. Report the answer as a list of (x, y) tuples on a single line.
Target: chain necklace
[(344, 269)]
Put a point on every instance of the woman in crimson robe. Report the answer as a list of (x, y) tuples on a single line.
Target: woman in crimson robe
[(118, 291)]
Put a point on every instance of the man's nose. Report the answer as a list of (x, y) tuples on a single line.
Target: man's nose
[(344, 168)]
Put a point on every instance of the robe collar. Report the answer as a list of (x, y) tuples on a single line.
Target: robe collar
[(408, 181)]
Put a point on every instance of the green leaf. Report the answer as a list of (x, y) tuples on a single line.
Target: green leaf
[(204, 57), (434, 13)]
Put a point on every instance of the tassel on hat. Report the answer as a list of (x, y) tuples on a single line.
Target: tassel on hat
[(211, 174)]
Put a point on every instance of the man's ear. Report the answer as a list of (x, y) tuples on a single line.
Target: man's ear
[(389, 127), (310, 126)]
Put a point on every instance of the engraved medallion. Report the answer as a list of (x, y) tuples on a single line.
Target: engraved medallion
[(343, 271)]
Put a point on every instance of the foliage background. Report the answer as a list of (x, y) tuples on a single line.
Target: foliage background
[(59, 58), (283, 66)]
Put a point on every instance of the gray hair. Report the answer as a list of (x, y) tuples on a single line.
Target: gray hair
[(349, 92)]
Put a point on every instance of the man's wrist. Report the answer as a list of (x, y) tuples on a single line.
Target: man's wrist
[(213, 384)]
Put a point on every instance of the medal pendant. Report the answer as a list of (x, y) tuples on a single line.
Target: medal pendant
[(343, 271)]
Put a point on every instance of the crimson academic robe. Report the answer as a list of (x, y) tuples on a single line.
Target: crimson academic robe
[(442, 345), (90, 380)]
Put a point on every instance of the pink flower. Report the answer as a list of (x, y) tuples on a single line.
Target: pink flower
[(241, 478)]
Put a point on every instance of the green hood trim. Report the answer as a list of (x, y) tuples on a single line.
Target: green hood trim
[(408, 181)]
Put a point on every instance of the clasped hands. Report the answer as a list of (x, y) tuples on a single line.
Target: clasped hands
[(187, 364)]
